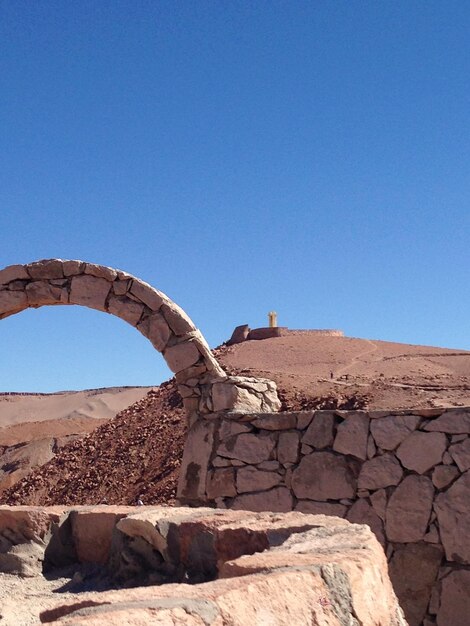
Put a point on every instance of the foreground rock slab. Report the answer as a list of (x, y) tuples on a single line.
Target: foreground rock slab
[(257, 568)]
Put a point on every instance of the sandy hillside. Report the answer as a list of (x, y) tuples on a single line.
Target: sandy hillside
[(34, 427), (387, 375)]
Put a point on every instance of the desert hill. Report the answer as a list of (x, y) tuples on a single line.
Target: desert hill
[(34, 427), (138, 452), (385, 374)]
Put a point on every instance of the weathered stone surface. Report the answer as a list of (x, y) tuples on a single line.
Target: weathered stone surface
[(460, 452), (221, 483), (453, 422), (181, 356), (362, 513), (248, 448), (13, 272), (389, 432), (156, 330), (239, 335), (320, 433), (147, 294), (100, 271), (379, 472), (251, 479), (321, 508), (454, 609), (273, 569), (89, 291), (323, 476), (278, 499), (378, 499), (452, 508), (229, 396), (126, 309), (443, 475), (197, 452), (406, 522), (92, 531), (280, 421), (413, 572), (177, 320), (351, 436), (121, 287), (72, 268), (47, 268), (12, 302), (288, 447), (371, 447), (229, 428), (422, 451), (304, 419), (41, 293)]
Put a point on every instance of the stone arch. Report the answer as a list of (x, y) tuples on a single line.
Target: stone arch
[(202, 382)]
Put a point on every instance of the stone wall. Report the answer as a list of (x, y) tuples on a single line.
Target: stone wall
[(202, 382), (404, 473)]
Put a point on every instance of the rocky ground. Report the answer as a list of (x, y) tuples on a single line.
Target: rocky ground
[(139, 452)]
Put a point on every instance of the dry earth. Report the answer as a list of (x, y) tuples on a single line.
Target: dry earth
[(34, 427)]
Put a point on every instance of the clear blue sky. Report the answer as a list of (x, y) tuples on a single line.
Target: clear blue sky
[(307, 157)]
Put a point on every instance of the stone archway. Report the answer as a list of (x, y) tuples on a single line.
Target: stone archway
[(202, 382)]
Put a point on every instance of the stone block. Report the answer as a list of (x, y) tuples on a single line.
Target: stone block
[(181, 356), (454, 609), (351, 436), (389, 432), (444, 475), (422, 451), (248, 448), (453, 514), (197, 453), (100, 271), (73, 268), (406, 523), (320, 433), (278, 499), (147, 294), (304, 419), (379, 472), (452, 422), (378, 499), (89, 291), (13, 272), (12, 302), (47, 268), (229, 428), (176, 318), (288, 447), (40, 293), (126, 309), (251, 479), (324, 476), (221, 482), (277, 421), (413, 571), (239, 335), (460, 452), (362, 513)]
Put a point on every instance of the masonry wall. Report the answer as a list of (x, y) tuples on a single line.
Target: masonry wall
[(404, 473)]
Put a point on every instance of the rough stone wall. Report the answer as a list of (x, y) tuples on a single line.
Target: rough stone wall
[(404, 473), (202, 382)]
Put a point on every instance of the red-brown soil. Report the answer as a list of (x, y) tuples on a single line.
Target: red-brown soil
[(139, 451)]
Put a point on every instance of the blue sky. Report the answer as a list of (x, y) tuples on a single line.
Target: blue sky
[(307, 157)]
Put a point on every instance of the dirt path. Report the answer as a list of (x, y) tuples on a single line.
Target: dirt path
[(356, 359)]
